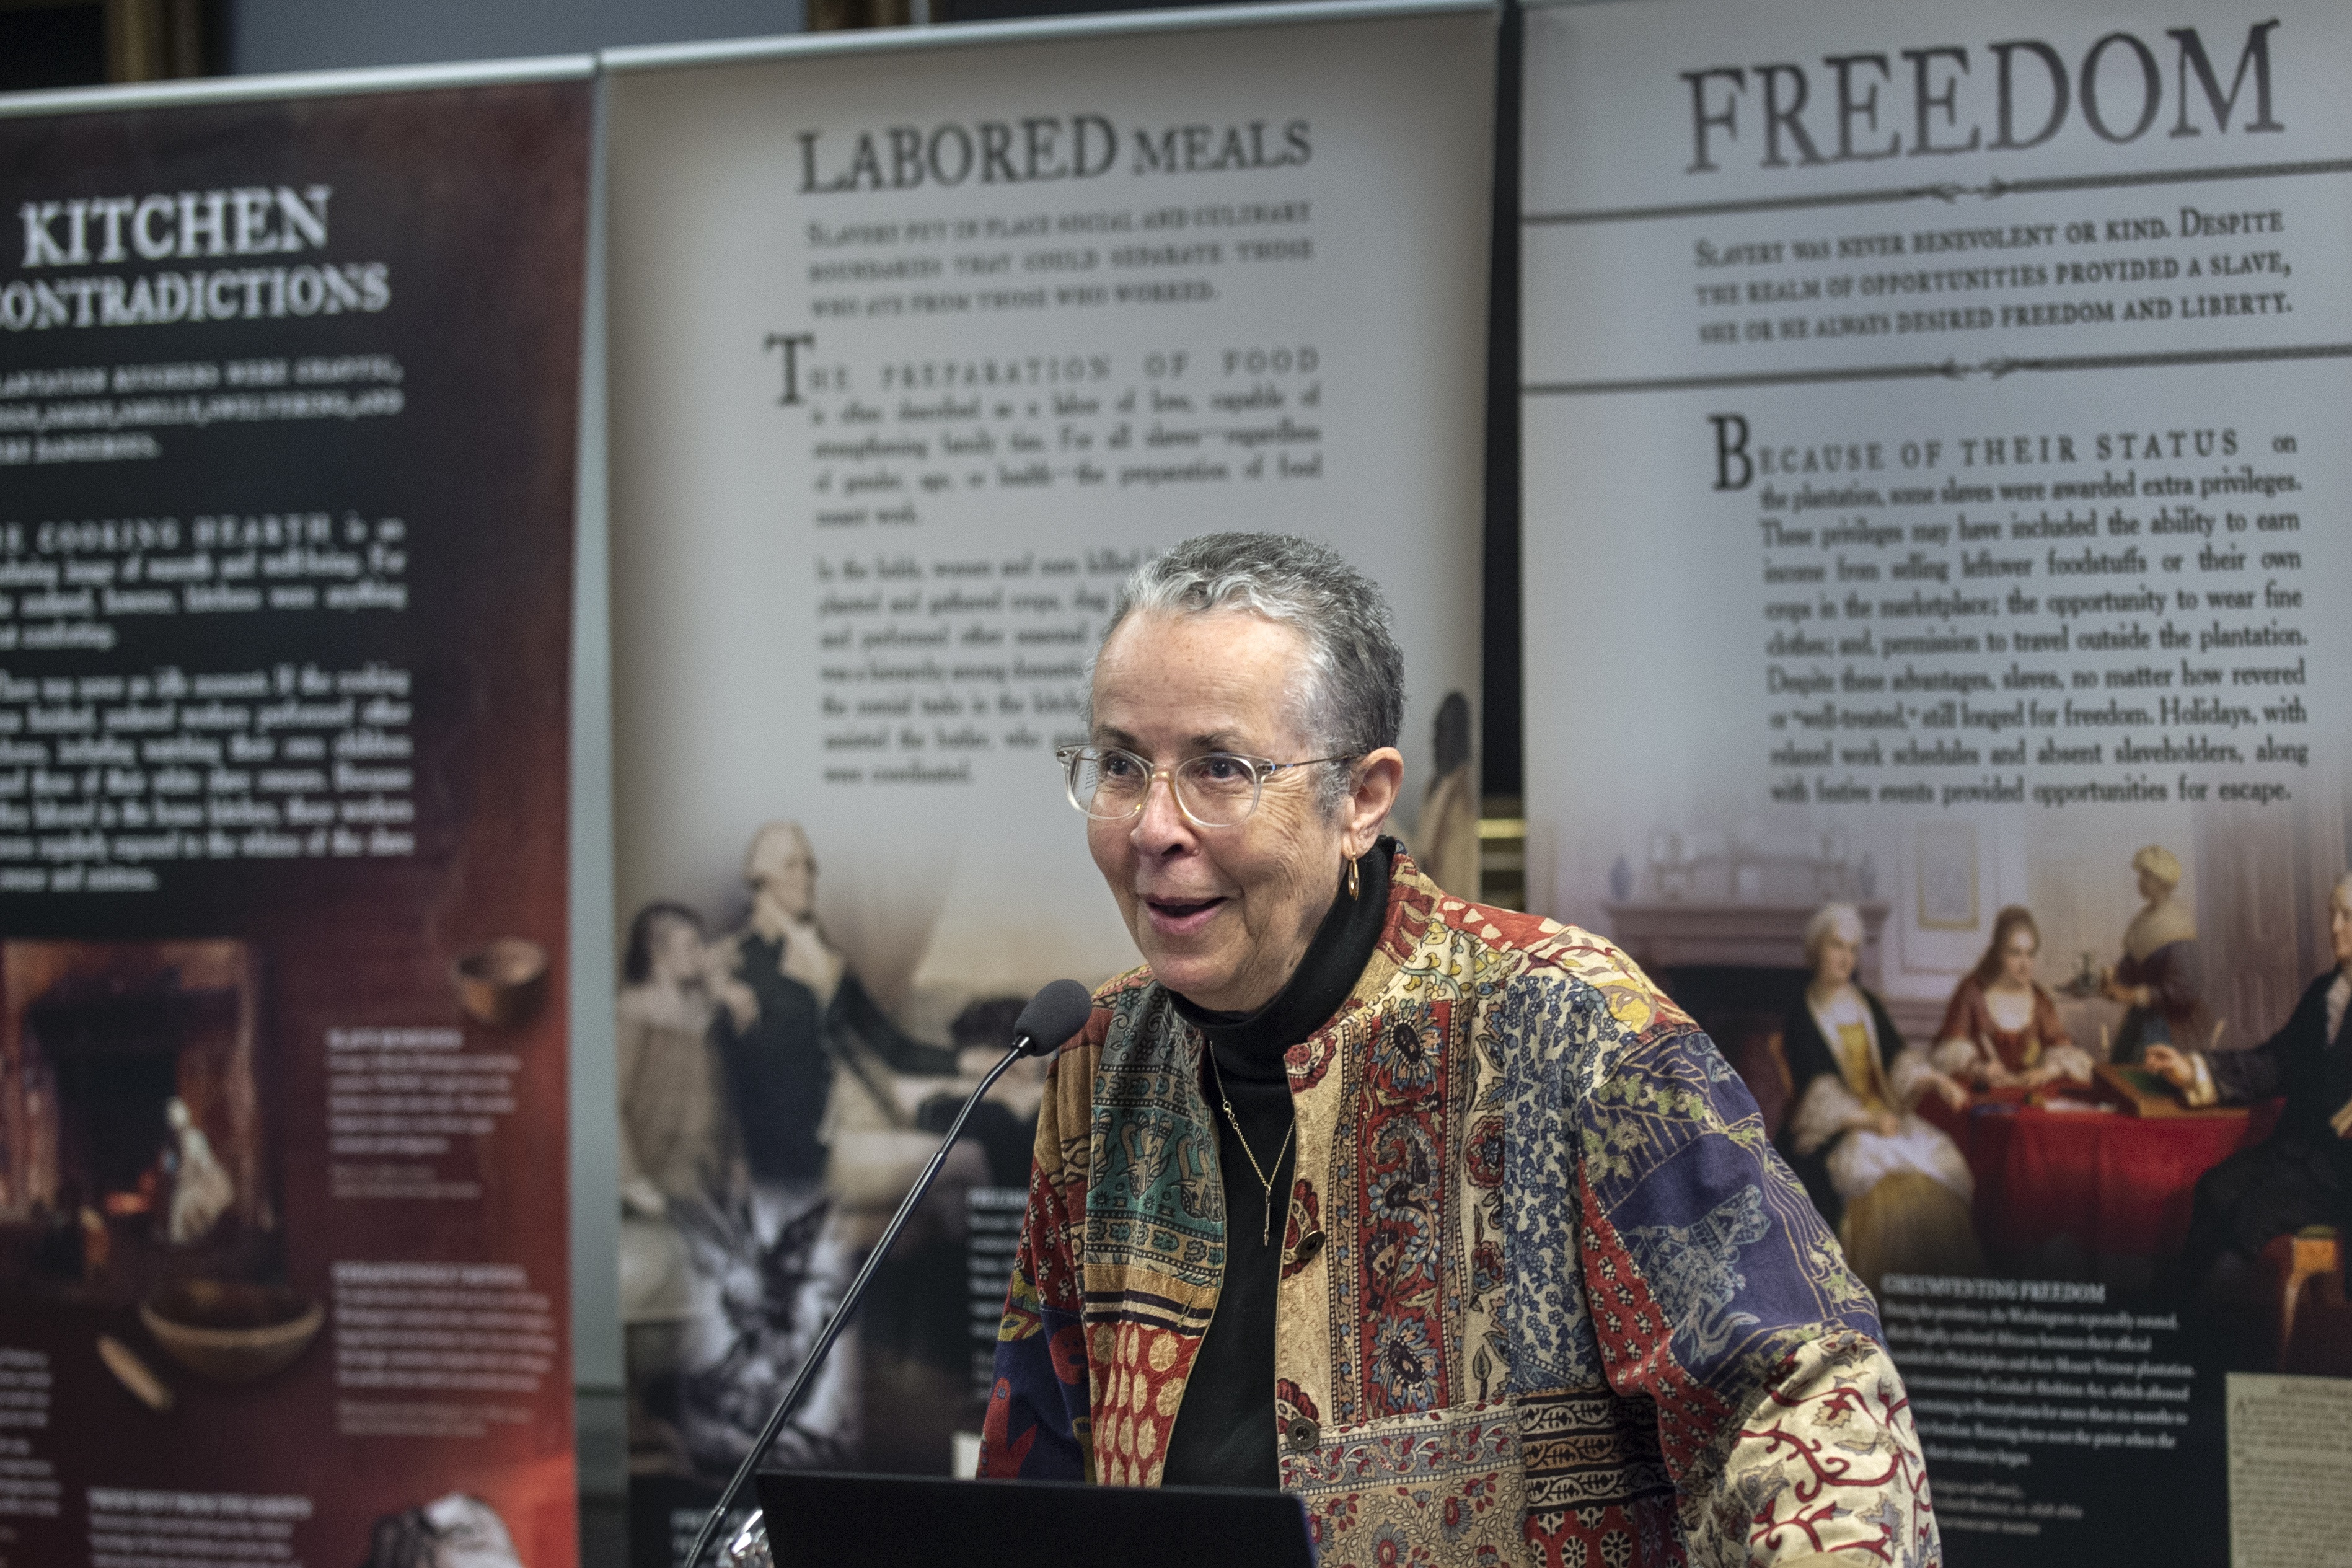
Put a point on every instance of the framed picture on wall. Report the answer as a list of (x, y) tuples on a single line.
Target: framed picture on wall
[(1947, 876)]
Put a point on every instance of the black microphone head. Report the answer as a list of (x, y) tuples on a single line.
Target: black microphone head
[(1053, 1016)]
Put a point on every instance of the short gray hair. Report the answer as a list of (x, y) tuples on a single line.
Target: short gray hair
[(1832, 920), (1353, 701)]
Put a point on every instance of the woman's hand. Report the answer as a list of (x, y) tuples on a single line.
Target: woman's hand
[(1950, 1090), (1885, 1123), (2170, 1066)]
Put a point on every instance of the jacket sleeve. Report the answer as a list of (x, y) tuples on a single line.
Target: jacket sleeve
[(1717, 1294), (1826, 1465), (2258, 1072), (2241, 1077), (855, 1019), (1038, 1426)]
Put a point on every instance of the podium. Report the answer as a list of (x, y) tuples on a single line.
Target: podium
[(818, 1519)]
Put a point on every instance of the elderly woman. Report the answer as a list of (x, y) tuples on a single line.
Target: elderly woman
[(1896, 1187), (2157, 979), (2001, 1028), (1438, 1215)]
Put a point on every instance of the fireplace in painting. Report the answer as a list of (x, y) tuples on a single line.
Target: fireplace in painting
[(1736, 966), (98, 1040)]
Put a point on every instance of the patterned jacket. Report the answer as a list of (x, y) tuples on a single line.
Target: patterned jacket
[(1548, 1296)]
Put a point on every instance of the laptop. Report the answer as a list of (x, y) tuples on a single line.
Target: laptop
[(821, 1520)]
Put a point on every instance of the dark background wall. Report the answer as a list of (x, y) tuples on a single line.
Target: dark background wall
[(320, 34), (51, 45)]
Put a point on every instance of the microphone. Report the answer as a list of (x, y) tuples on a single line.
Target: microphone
[(1051, 1017)]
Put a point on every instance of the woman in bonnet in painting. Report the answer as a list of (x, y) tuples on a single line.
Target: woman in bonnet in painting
[(2157, 979)]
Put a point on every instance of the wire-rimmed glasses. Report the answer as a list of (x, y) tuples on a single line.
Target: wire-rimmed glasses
[(1215, 789)]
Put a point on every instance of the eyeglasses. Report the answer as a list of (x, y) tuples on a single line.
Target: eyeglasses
[(1215, 789)]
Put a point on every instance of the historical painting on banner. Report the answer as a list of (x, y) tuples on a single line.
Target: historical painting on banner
[(1945, 399), (918, 351), (287, 419)]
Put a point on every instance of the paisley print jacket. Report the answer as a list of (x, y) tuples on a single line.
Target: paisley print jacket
[(1548, 1295)]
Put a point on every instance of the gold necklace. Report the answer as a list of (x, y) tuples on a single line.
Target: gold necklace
[(1265, 1230)]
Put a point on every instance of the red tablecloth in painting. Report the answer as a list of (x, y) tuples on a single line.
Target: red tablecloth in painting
[(2114, 1183)]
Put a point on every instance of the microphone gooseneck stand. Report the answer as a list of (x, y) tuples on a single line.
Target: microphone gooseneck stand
[(1044, 1025)]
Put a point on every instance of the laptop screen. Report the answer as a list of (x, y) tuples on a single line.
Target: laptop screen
[(821, 1520)]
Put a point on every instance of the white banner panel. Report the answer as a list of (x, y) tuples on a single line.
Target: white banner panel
[(1934, 499), (916, 351)]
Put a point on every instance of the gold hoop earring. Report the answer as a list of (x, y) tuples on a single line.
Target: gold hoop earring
[(1355, 878)]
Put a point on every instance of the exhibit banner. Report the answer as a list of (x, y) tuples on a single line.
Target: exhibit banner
[(289, 403), (919, 346), (1934, 484)]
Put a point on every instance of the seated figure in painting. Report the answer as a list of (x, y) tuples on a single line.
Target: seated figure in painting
[(2300, 1175), (1895, 1188), (2157, 979), (2001, 1030)]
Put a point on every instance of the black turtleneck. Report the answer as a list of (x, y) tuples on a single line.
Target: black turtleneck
[(1225, 1433)]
